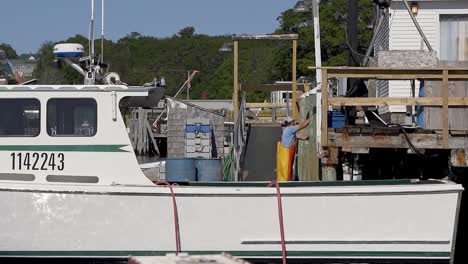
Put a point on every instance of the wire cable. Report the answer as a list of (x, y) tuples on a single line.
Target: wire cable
[(349, 45)]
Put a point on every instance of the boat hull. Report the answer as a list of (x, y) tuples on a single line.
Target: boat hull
[(413, 222)]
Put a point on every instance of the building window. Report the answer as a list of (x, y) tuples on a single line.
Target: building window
[(20, 117), (454, 37), (72, 117)]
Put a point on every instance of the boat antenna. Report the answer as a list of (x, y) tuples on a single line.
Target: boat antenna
[(90, 76), (102, 31), (91, 33)]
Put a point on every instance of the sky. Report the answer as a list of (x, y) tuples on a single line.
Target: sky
[(29, 23)]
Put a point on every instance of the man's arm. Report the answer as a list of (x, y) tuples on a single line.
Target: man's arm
[(302, 125)]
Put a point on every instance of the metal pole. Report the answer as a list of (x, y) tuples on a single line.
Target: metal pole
[(75, 66), (318, 53), (102, 31), (429, 47), (295, 112), (91, 32), (235, 95), (318, 72)]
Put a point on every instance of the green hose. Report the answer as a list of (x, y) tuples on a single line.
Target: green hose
[(228, 165)]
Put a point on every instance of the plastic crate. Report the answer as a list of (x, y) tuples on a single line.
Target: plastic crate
[(336, 119)]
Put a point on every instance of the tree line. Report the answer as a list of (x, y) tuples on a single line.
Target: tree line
[(138, 58)]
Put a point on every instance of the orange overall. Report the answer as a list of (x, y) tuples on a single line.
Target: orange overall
[(284, 161)]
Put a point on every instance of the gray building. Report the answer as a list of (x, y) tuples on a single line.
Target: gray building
[(182, 141)]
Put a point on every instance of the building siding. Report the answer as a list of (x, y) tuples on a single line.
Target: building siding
[(382, 44), (403, 35)]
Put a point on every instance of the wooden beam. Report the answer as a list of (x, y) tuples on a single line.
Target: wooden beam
[(258, 87), (265, 105), (445, 113), (235, 94), (295, 111), (324, 108), (420, 141), (396, 73), (386, 101), (387, 76), (266, 37), (367, 69)]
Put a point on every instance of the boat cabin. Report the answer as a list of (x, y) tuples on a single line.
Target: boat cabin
[(67, 135)]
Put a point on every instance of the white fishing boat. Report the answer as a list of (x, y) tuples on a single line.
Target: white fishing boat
[(71, 187)]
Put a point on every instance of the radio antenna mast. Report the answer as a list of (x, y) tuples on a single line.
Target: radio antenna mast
[(102, 31), (91, 32)]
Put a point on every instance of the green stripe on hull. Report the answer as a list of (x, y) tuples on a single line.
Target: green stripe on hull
[(64, 148), (299, 254)]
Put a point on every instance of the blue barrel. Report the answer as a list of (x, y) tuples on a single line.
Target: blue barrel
[(209, 170), (180, 170)]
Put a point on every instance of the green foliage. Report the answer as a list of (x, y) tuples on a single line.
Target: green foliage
[(187, 32), (139, 58), (44, 71), (10, 52), (334, 47)]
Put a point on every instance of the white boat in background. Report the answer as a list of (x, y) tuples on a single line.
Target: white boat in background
[(71, 187)]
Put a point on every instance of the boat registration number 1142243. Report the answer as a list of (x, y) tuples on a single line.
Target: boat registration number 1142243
[(37, 161)]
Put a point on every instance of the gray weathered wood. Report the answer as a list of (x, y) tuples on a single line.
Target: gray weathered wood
[(151, 135), (458, 115), (420, 141)]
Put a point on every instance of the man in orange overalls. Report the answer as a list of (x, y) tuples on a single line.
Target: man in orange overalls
[(286, 148)]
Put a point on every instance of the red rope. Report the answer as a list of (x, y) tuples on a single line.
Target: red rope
[(176, 215), (280, 216)]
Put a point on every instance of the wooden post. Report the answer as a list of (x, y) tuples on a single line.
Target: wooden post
[(324, 107), (273, 115), (235, 94), (445, 113), (295, 112)]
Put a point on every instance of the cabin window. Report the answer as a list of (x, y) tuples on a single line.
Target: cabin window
[(20, 117), (454, 37), (72, 117)]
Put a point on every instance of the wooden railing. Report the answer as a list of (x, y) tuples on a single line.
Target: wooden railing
[(268, 118), (444, 74)]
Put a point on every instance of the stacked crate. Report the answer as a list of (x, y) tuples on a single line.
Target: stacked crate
[(198, 137), (179, 113)]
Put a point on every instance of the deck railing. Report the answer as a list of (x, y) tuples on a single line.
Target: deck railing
[(444, 74)]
